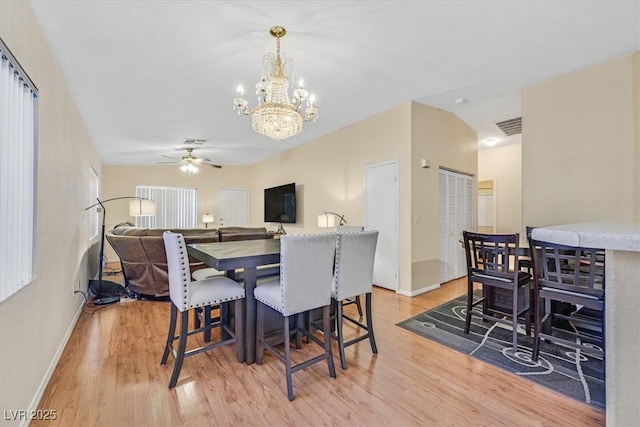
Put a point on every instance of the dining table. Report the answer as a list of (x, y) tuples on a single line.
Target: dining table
[(240, 260)]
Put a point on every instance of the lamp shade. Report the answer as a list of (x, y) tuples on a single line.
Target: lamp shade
[(207, 218), (142, 207), (326, 220)]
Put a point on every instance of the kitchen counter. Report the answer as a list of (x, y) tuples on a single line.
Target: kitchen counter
[(621, 240)]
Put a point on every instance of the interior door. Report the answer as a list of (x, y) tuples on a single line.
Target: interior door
[(381, 213), (456, 215), (233, 207)]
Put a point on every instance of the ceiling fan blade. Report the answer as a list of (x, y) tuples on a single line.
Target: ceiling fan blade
[(167, 163), (212, 165), (169, 157)]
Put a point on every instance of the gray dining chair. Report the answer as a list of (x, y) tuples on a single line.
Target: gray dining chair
[(187, 295), (356, 299), (353, 276), (304, 284)]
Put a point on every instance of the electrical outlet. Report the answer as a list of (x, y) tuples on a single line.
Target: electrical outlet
[(76, 286)]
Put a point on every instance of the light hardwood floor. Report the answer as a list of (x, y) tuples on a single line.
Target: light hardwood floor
[(110, 375)]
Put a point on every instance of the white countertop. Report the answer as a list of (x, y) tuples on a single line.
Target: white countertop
[(621, 235)]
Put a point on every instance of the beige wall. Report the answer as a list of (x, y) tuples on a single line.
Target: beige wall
[(578, 145), (445, 141), (504, 165), (329, 175), (36, 321)]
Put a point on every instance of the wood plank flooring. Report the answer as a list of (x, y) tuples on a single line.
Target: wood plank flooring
[(110, 375)]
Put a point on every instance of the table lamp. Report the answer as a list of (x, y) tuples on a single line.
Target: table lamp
[(207, 218)]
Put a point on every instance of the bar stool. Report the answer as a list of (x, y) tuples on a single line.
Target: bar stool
[(569, 275), (306, 269), (187, 295)]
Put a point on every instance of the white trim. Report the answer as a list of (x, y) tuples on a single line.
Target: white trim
[(418, 291)]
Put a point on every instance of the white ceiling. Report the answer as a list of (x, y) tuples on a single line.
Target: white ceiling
[(148, 74)]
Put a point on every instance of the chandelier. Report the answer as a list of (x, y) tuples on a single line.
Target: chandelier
[(275, 116)]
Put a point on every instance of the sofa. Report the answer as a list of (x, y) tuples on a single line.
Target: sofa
[(144, 260)]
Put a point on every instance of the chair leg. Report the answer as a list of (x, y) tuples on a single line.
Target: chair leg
[(358, 305), (299, 327), (339, 330), (326, 312), (259, 333), (467, 320), (527, 300), (171, 334), (287, 357), (239, 331), (514, 318), (372, 339), (536, 331), (182, 346), (207, 322)]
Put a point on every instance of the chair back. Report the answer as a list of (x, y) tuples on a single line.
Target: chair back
[(568, 269), (494, 254), (178, 269), (355, 254), (306, 269)]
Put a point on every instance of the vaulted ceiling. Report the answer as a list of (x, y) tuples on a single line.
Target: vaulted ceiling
[(147, 74)]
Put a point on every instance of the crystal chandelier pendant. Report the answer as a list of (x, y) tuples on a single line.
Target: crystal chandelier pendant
[(276, 116)]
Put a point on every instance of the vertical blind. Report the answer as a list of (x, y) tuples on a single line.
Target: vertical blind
[(175, 207), (18, 112)]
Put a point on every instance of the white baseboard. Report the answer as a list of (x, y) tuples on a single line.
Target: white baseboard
[(52, 366), (419, 291)]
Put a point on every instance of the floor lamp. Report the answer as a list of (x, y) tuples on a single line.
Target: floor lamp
[(108, 292)]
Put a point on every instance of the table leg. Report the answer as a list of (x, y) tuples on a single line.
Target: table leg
[(250, 274)]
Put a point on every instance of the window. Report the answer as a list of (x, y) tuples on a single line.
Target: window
[(94, 216), (175, 207), (18, 117)]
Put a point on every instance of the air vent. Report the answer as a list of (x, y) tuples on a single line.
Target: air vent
[(511, 126), (194, 141)]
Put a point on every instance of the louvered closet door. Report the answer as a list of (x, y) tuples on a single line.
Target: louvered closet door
[(456, 215)]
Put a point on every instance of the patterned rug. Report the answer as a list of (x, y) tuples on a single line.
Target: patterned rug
[(558, 368)]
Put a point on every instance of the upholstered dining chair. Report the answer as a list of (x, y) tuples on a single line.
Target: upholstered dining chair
[(304, 284), (353, 276), (574, 276), (187, 295), (355, 300), (492, 261)]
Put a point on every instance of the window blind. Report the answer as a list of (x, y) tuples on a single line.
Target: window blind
[(175, 207), (18, 115)]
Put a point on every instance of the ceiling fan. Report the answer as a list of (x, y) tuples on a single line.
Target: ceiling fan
[(189, 161)]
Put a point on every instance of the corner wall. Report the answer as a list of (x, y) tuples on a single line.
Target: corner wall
[(445, 141), (578, 146), (36, 322)]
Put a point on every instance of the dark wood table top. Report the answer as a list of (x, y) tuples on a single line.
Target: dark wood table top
[(238, 254)]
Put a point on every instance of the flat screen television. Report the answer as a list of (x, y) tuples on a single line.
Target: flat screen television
[(280, 204)]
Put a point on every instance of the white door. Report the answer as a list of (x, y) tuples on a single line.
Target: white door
[(381, 213), (456, 215), (233, 207)]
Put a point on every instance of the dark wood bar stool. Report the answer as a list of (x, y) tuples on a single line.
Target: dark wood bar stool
[(575, 276), (493, 262)]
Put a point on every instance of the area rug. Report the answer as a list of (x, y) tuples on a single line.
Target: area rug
[(557, 368)]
